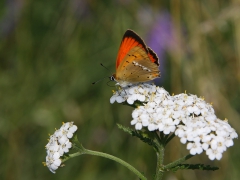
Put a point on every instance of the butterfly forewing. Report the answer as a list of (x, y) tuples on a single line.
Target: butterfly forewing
[(130, 40)]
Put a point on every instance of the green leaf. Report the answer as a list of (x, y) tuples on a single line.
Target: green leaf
[(144, 136), (194, 167)]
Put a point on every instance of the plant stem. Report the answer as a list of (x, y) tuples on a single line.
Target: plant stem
[(160, 157), (81, 150), (160, 167), (170, 138), (131, 168), (95, 153)]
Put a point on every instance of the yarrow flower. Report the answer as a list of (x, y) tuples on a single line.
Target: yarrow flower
[(188, 116), (59, 144)]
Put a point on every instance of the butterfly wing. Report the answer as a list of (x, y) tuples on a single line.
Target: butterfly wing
[(135, 62), (153, 56)]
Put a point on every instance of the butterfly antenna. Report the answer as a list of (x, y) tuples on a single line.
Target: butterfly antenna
[(99, 80), (104, 66), (109, 85)]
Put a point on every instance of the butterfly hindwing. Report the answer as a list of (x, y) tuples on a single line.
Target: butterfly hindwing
[(137, 67), (153, 56)]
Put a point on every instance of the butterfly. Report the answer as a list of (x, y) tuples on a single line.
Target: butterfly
[(135, 61)]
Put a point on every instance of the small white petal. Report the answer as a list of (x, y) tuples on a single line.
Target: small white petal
[(138, 126), (119, 99), (205, 146), (63, 140), (73, 128), (214, 144), (218, 156), (151, 127), (69, 135), (183, 140), (56, 155), (229, 142), (141, 98), (112, 99), (53, 167), (135, 114), (134, 121), (57, 162)]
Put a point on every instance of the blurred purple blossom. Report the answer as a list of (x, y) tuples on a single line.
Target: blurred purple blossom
[(161, 39), (81, 9), (12, 14)]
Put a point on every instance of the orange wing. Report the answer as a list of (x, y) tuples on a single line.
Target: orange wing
[(130, 40)]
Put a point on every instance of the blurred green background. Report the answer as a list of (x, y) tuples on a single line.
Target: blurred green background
[(50, 51)]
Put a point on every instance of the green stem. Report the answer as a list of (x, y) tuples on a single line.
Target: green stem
[(131, 168), (179, 161), (81, 150), (160, 167), (170, 138), (162, 135), (160, 157)]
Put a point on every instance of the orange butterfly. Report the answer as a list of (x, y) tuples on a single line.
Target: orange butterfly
[(135, 61)]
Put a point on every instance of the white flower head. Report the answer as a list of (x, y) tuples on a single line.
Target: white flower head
[(138, 92), (58, 145), (188, 116)]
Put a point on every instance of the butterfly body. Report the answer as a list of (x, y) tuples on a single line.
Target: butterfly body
[(135, 61)]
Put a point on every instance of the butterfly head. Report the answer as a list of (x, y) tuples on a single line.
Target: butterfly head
[(113, 77)]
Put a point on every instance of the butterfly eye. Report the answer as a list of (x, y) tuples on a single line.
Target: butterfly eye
[(112, 78)]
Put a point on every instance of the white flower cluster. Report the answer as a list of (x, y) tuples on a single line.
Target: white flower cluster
[(189, 117), (58, 145), (141, 92)]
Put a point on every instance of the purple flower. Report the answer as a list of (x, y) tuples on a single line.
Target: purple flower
[(161, 38), (10, 18)]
